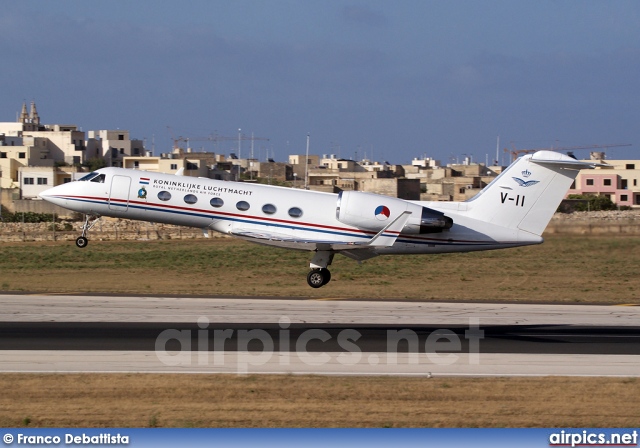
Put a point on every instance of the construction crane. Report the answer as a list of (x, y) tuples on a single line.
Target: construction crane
[(215, 138), (515, 153)]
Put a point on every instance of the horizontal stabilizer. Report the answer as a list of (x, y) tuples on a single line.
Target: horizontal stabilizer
[(557, 159)]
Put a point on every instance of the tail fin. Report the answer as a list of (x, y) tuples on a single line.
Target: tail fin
[(526, 195)]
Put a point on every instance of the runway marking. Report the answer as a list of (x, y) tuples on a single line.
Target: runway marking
[(50, 294)]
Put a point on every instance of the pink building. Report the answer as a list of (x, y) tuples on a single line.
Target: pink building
[(620, 183)]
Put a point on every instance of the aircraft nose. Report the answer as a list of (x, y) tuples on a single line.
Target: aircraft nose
[(54, 195), (46, 194)]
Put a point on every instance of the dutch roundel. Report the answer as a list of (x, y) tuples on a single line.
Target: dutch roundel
[(382, 212)]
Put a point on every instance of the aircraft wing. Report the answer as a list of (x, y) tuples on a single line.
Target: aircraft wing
[(384, 238), (277, 239)]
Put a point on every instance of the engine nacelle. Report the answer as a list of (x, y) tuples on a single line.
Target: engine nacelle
[(374, 212)]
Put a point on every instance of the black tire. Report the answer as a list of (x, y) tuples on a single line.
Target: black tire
[(82, 242), (316, 278), (327, 275)]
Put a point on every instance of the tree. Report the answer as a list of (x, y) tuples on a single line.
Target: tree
[(593, 202), (95, 163)]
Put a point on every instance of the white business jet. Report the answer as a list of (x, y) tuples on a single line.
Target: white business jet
[(513, 210)]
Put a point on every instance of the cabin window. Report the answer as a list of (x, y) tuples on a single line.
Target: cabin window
[(99, 179), (243, 205), (190, 199), (164, 195), (269, 209), (216, 202), (295, 212)]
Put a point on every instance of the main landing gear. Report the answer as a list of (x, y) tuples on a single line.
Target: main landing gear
[(319, 274), (318, 277), (82, 241)]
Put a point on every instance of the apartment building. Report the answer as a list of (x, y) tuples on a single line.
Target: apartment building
[(113, 146), (619, 181)]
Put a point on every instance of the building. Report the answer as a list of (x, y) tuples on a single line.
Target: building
[(35, 156), (36, 179), (113, 146), (15, 153), (299, 170), (456, 182), (28, 142), (274, 171), (62, 143), (189, 167), (619, 181)]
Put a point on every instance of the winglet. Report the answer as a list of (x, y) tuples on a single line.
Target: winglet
[(388, 236), (384, 238)]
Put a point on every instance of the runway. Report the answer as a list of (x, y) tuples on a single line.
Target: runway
[(66, 333)]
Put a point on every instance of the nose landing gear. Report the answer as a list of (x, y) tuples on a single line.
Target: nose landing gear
[(82, 241)]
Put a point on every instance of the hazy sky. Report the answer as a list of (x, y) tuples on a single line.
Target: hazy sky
[(391, 80)]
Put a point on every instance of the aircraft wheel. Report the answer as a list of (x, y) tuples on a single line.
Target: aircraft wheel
[(327, 275), (317, 278), (82, 242)]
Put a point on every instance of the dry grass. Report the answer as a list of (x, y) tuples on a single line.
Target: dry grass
[(563, 269), (141, 400)]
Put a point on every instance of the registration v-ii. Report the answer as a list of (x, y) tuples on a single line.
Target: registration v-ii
[(511, 211)]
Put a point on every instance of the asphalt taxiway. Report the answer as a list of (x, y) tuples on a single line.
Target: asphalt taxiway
[(73, 333)]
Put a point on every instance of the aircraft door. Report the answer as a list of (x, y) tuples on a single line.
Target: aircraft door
[(119, 193)]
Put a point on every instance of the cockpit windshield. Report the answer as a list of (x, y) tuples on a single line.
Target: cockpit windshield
[(89, 176), (93, 177)]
